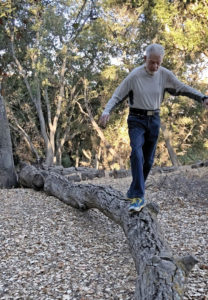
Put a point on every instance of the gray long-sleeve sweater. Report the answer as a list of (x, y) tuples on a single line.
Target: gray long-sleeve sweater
[(146, 91)]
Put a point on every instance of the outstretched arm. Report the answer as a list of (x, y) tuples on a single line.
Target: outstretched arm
[(176, 87)]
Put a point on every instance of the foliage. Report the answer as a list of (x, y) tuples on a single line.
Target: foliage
[(49, 47), (187, 123)]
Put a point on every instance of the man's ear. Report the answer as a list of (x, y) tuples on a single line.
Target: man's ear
[(145, 58)]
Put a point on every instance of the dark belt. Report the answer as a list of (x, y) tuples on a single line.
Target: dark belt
[(143, 112)]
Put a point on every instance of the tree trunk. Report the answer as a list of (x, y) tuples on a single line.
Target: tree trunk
[(49, 160), (160, 275), (8, 178), (171, 152), (97, 158), (115, 155)]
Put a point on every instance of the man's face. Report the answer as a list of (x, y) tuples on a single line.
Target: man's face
[(153, 62)]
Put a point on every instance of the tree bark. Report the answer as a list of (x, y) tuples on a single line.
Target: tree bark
[(8, 178), (30, 177), (160, 275), (171, 152)]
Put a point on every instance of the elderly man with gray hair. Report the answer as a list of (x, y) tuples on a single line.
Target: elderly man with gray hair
[(145, 87)]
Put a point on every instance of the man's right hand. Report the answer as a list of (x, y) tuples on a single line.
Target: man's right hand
[(103, 120)]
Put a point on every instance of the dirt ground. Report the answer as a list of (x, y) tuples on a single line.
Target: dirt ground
[(50, 251)]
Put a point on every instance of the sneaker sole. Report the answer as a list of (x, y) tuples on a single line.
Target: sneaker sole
[(131, 210)]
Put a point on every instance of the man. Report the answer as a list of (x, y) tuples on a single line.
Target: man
[(145, 87)]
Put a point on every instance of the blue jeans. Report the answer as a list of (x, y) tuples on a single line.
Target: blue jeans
[(143, 133)]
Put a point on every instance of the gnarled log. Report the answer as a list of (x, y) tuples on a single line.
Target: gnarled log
[(31, 177), (160, 275)]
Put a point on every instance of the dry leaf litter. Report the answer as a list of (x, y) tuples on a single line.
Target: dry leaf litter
[(49, 250)]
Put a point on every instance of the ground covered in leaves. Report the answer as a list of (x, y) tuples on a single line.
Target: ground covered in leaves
[(49, 250)]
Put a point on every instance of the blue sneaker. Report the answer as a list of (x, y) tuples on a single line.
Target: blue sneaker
[(137, 204)]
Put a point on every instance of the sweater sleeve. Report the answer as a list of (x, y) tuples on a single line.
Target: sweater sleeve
[(120, 94), (176, 88)]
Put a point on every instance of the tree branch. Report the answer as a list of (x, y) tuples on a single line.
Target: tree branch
[(45, 95), (27, 138), (21, 70)]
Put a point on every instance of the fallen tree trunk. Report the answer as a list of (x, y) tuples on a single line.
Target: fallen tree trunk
[(30, 177), (161, 276)]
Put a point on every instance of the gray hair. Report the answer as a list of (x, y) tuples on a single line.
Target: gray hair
[(155, 49)]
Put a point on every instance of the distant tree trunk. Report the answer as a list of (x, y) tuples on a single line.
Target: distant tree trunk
[(8, 178), (171, 152), (48, 127), (97, 158), (95, 126)]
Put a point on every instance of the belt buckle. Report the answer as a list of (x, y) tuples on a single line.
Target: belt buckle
[(150, 113)]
